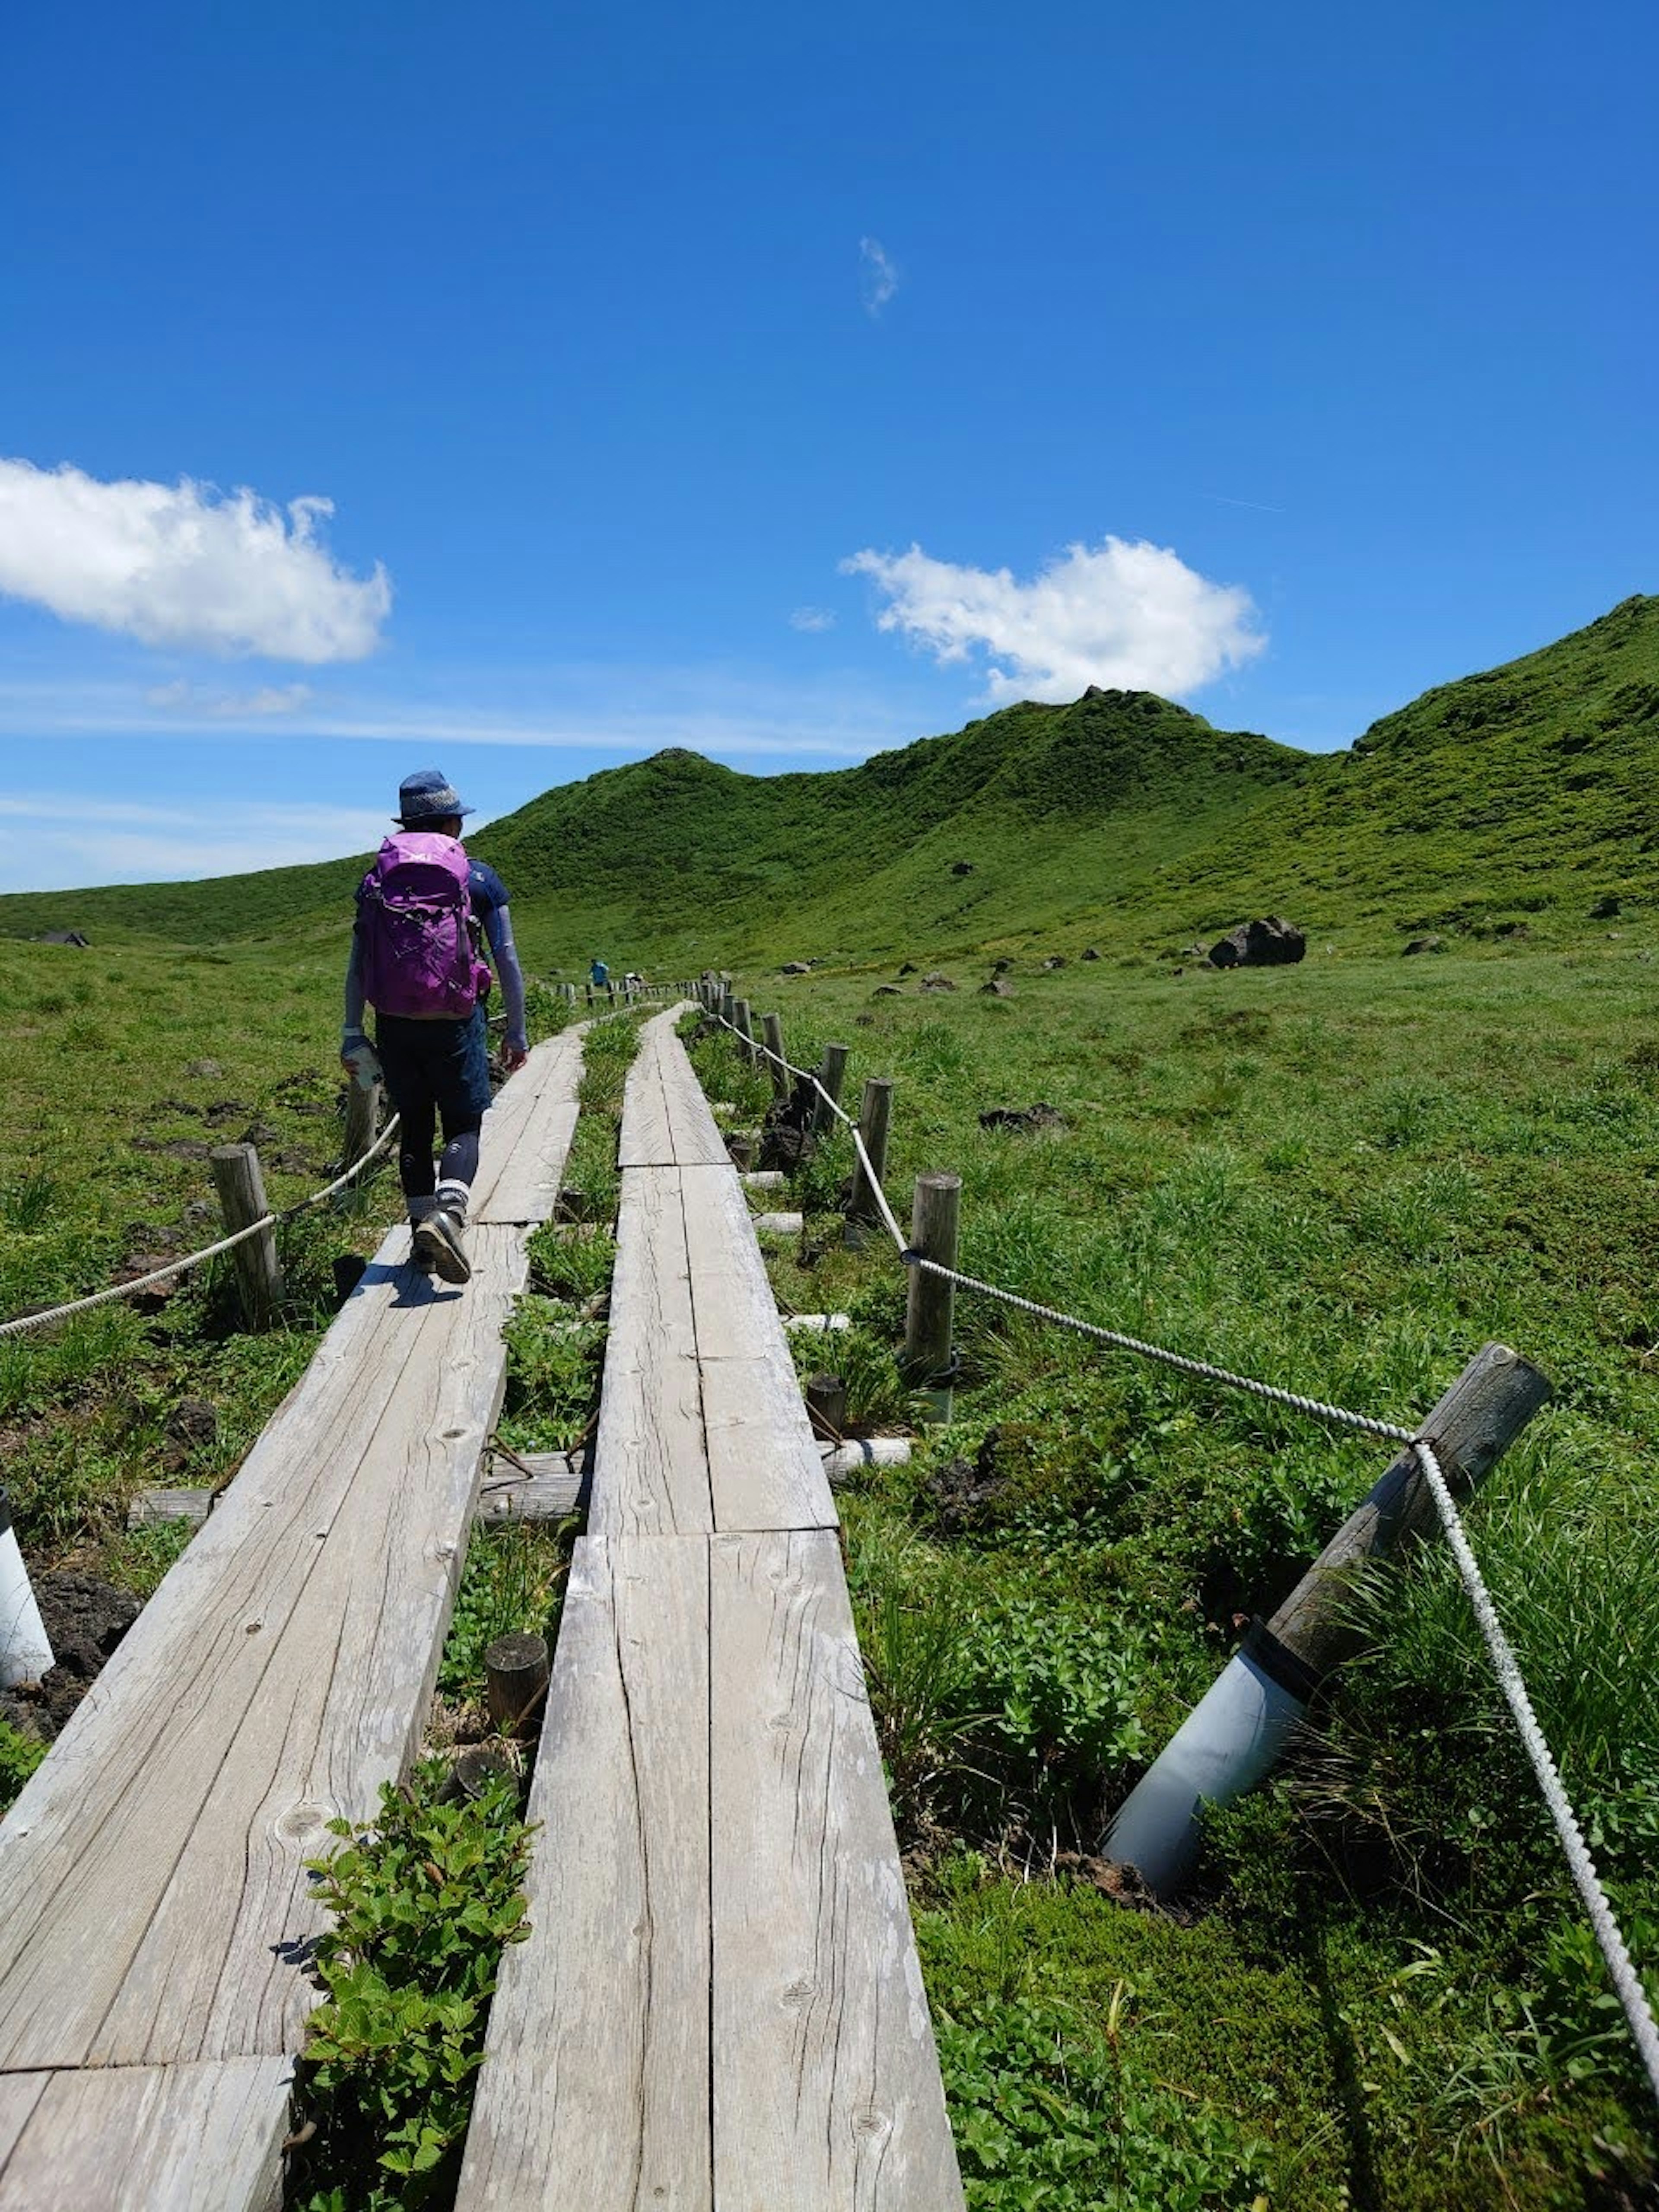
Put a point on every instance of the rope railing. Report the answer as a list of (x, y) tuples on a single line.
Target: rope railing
[(1626, 1981)]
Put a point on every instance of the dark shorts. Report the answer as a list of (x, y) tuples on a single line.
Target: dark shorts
[(441, 1064)]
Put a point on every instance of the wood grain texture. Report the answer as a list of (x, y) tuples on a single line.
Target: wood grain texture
[(594, 2088), (646, 1139), (826, 2084), (526, 1185), (737, 1315), (149, 1873), (651, 1469), (765, 1467), (147, 2139)]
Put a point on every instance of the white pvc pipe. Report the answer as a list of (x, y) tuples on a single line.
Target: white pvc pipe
[(1223, 1747), (26, 1652), (818, 1322), (778, 1224), (866, 1452)]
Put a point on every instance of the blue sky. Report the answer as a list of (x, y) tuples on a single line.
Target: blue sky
[(788, 383)]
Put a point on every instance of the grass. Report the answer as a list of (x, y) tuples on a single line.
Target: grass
[(1341, 1177)]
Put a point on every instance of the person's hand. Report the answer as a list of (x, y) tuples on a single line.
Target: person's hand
[(361, 1061), (513, 1056)]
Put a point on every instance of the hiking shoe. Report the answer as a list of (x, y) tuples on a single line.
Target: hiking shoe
[(419, 1258), (439, 1237)]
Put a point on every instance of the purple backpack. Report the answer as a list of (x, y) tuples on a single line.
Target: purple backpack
[(420, 956)]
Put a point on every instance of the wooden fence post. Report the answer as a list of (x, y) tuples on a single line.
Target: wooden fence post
[(241, 1189), (831, 1074), (362, 1121), (515, 1682), (745, 1031), (930, 1302), (772, 1031), (874, 1117)]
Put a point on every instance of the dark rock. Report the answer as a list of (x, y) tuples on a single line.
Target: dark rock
[(203, 1071), (786, 1140), (887, 991), (63, 937), (152, 1236), (200, 1209), (936, 981), (1001, 967), (192, 1422), (257, 1133), (1040, 1116), (85, 1619), (146, 1263), (1192, 952), (1512, 929), (1607, 909), (967, 1495), (223, 1110), (1272, 943), (796, 968), (1054, 960), (1430, 944), (908, 969), (1090, 953), (996, 988), (961, 868), (864, 1021)]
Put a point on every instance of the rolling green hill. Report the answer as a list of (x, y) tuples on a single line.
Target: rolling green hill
[(1528, 788)]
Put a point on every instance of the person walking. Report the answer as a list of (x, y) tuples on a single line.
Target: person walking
[(600, 975), (425, 911)]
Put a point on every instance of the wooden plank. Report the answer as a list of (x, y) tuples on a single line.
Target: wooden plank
[(594, 2088), (646, 1139), (651, 1470), (827, 2090), (737, 1315), (19, 2095), (509, 1114), (150, 2139), (698, 1140), (765, 1467), (168, 1821), (526, 1188)]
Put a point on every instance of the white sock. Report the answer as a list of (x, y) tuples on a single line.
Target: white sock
[(452, 1197)]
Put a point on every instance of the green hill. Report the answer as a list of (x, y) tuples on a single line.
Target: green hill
[(1121, 816)]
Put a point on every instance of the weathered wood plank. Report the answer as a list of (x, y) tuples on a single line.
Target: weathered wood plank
[(765, 1467), (163, 1948), (737, 1315), (651, 1471), (526, 1188), (147, 2139), (594, 2089), (827, 2090), (646, 1139), (698, 1140)]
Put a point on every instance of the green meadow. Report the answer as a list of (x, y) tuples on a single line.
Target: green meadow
[(1342, 1177)]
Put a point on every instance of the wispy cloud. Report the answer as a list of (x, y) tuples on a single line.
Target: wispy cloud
[(812, 618), (1124, 615), (880, 275), (184, 565), (49, 839), (229, 706)]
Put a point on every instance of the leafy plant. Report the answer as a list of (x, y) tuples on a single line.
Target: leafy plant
[(20, 1755)]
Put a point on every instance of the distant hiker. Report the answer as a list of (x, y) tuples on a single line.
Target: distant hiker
[(600, 975), (422, 910)]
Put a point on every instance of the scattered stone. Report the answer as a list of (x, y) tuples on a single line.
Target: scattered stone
[(996, 988), (63, 937), (1430, 944), (887, 991), (1001, 967), (258, 1132), (1054, 960), (146, 1263), (224, 1110), (1192, 952), (909, 968), (85, 1619), (1272, 943), (796, 968), (1040, 1116), (1512, 929), (936, 981), (203, 1071), (864, 1021), (152, 1236), (961, 868), (1090, 953), (178, 1148), (966, 1494), (200, 1209), (1607, 909)]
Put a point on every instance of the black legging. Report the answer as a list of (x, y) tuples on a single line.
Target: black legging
[(415, 1133)]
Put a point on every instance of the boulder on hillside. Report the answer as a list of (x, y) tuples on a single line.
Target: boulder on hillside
[(63, 937), (1054, 960), (1421, 944), (887, 991), (907, 968), (937, 982), (1001, 967), (796, 968), (996, 988), (1272, 943), (1090, 953)]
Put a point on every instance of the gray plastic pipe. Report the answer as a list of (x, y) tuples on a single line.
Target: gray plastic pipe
[(26, 1652)]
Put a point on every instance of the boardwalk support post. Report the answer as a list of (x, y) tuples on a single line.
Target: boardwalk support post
[(515, 1677), (826, 1407), (241, 1189), (1233, 1736), (930, 1302)]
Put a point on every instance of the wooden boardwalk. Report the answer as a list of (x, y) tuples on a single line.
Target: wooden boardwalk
[(719, 2008), (154, 1912)]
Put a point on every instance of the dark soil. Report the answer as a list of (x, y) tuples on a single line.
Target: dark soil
[(85, 1620)]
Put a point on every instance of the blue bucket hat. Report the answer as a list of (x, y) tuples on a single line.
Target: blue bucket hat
[(428, 796)]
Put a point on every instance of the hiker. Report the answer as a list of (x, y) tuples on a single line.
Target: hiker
[(600, 975), (416, 958)]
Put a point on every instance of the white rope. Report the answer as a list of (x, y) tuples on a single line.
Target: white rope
[(22, 1322), (1625, 1980)]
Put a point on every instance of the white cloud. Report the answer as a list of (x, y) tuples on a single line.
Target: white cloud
[(51, 839), (881, 276), (184, 565), (229, 706), (812, 618), (1128, 616)]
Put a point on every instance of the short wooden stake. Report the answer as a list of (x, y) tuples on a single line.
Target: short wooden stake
[(362, 1122), (831, 1074), (476, 1768), (930, 1302), (772, 1031), (745, 1031), (515, 1676), (826, 1407), (874, 1117), (241, 1189)]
